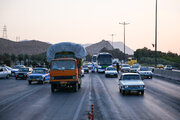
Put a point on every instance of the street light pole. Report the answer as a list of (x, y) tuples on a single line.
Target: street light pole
[(112, 38), (124, 23), (156, 35)]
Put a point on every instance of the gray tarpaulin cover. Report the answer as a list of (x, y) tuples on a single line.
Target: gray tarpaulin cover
[(77, 49)]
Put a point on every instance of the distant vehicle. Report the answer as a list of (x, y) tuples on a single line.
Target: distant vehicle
[(160, 66), (134, 68), (4, 72), (23, 72), (94, 60), (125, 68), (40, 75), (131, 61), (168, 67), (82, 73), (111, 71), (103, 61), (145, 72), (89, 65), (131, 82), (15, 69), (85, 68)]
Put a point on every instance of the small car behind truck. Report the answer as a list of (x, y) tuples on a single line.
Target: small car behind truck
[(23, 72), (131, 82), (39, 75)]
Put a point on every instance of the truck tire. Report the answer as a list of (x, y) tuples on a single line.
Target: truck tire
[(75, 87), (52, 88)]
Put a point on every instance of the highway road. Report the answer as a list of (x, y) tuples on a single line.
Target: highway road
[(20, 101)]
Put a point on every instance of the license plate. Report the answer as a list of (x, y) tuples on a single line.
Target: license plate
[(20, 75), (33, 79), (63, 82)]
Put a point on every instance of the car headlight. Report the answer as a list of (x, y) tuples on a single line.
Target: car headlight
[(52, 78), (125, 86), (142, 86)]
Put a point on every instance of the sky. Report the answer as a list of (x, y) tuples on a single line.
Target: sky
[(90, 21)]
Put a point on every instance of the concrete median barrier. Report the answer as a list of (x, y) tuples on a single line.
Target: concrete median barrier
[(174, 75)]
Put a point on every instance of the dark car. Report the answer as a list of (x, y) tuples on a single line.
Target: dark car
[(23, 72)]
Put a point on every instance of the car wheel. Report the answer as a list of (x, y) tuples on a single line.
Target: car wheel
[(29, 82), (7, 77), (142, 92), (123, 92), (151, 77), (120, 90)]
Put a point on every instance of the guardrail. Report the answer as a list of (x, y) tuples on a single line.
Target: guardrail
[(174, 75)]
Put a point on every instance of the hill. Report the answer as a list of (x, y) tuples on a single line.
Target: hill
[(29, 47), (95, 48)]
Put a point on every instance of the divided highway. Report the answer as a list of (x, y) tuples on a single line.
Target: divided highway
[(20, 101)]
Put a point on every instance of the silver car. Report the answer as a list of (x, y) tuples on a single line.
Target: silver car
[(4, 72)]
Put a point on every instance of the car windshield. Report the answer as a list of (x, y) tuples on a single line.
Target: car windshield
[(131, 77), (110, 69), (39, 71), (24, 70), (125, 66), (144, 69), (63, 65), (135, 66)]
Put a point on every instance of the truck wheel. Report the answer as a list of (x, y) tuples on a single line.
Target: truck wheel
[(29, 82), (7, 76), (52, 88), (142, 92), (75, 87), (79, 85)]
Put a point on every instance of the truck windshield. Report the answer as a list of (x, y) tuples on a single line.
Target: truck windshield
[(63, 65)]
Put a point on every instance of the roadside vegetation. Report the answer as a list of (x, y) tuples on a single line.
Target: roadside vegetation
[(147, 56)]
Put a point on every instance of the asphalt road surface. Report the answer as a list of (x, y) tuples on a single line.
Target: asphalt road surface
[(20, 101)]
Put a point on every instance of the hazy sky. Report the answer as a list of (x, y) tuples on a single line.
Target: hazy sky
[(90, 21)]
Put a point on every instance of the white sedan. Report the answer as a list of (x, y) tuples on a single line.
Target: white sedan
[(111, 71), (4, 72), (131, 82)]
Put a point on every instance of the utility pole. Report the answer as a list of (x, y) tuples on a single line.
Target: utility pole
[(156, 35), (112, 38), (124, 23), (4, 32)]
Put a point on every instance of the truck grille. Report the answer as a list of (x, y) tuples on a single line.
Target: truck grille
[(62, 77)]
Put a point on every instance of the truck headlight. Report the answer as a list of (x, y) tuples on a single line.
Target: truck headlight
[(52, 78), (73, 77)]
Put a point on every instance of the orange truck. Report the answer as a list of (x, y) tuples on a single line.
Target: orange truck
[(65, 65)]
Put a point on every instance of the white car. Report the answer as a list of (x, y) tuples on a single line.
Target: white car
[(145, 72), (111, 71), (125, 68), (4, 72), (131, 82), (82, 73)]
